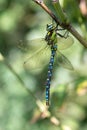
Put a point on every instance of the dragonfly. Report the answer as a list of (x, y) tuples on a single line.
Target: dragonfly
[(49, 50)]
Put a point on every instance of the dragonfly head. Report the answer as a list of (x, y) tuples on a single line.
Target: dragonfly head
[(50, 27)]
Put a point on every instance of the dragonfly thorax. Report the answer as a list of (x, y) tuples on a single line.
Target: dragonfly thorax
[(51, 37)]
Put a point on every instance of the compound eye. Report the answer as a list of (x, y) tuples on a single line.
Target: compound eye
[(49, 27)]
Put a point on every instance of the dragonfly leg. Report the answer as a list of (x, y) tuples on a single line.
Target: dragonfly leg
[(65, 35)]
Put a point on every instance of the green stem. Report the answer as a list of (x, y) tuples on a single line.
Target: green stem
[(59, 11)]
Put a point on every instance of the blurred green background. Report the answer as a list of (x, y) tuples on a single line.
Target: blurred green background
[(21, 89)]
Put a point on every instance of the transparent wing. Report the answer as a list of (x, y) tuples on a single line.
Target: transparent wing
[(39, 59), (63, 61), (64, 43), (37, 54), (29, 45)]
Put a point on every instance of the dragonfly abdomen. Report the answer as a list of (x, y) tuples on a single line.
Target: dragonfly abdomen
[(49, 75)]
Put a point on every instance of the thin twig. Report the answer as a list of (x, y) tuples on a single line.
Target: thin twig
[(68, 26), (38, 102)]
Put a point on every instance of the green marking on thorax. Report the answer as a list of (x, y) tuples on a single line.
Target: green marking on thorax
[(54, 37)]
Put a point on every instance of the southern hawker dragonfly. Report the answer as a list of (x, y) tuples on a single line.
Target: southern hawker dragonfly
[(46, 50)]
